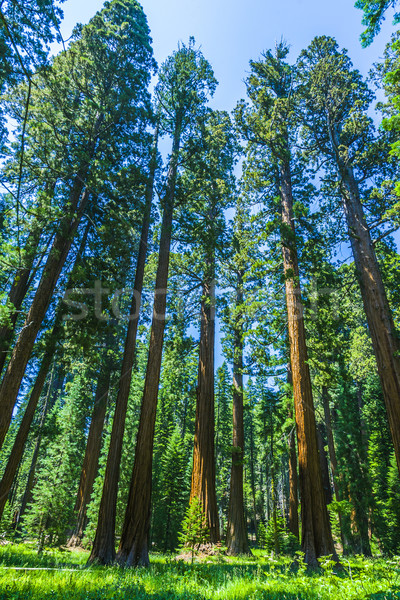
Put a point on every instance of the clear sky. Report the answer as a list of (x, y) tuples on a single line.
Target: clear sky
[(232, 32)]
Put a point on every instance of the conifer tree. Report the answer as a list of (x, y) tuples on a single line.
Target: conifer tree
[(335, 119), (185, 81), (272, 123), (105, 49)]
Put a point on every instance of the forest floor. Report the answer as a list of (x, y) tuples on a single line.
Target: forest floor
[(61, 575)]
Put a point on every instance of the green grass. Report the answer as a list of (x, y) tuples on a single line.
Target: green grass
[(217, 578)]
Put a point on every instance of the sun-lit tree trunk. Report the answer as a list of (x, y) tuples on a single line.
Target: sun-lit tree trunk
[(24, 344), (133, 548), (316, 533), (92, 455), (237, 542), (103, 550), (385, 338), (203, 472)]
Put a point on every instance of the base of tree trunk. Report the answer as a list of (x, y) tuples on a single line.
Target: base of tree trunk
[(137, 557)]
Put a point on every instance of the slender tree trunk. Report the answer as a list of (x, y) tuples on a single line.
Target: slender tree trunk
[(316, 532), (18, 292), (23, 347), (203, 472), (293, 478), (24, 428), (103, 550), (133, 548), (252, 478), (92, 454), (23, 431), (237, 542), (385, 338), (273, 487)]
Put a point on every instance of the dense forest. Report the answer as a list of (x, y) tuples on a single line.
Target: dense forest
[(200, 311)]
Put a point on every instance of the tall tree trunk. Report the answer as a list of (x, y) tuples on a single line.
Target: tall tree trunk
[(293, 478), (273, 487), (237, 542), (385, 338), (133, 548), (316, 532), (32, 469), (92, 454), (203, 472), (23, 431), (252, 478), (18, 292), (23, 347), (103, 550)]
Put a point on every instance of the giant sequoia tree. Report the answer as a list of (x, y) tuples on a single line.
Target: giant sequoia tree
[(335, 103), (270, 124), (87, 84), (185, 81)]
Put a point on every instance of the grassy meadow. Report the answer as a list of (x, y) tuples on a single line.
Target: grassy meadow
[(61, 575)]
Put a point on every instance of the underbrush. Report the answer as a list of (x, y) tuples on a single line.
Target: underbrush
[(62, 575)]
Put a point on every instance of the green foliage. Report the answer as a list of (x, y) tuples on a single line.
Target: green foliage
[(194, 527), (269, 538), (374, 11)]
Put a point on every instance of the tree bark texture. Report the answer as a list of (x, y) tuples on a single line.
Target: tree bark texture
[(103, 550), (316, 533), (203, 472), (237, 542), (92, 455), (133, 549), (385, 338)]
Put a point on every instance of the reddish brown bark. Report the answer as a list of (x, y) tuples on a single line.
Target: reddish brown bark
[(237, 542), (385, 338), (203, 473), (316, 534), (133, 548), (23, 347), (103, 550), (92, 455)]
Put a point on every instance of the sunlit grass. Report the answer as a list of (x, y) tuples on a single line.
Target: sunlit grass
[(260, 577)]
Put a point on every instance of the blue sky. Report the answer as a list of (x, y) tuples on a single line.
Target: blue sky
[(231, 32)]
